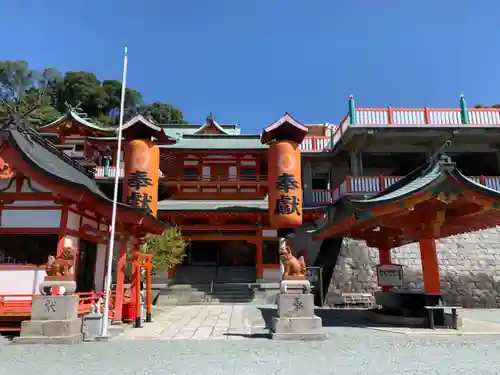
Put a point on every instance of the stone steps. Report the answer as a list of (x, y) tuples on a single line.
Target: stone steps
[(234, 293), (4, 340)]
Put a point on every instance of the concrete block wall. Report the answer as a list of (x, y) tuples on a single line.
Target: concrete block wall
[(469, 266)]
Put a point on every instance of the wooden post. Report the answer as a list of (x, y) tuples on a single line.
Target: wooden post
[(148, 293), (120, 280), (384, 253), (430, 267)]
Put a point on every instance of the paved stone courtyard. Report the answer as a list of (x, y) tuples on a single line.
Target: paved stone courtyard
[(220, 322), (191, 340)]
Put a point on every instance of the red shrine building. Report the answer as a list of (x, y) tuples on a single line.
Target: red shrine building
[(49, 201), (213, 184)]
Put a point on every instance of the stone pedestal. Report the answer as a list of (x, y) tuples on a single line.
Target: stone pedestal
[(296, 319), (92, 326), (54, 320), (46, 286)]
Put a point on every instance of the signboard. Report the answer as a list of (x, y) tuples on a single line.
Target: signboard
[(390, 275)]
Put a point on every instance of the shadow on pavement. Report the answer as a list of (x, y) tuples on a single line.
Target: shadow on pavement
[(330, 317), (250, 335)]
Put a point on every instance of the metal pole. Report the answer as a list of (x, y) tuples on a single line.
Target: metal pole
[(104, 327)]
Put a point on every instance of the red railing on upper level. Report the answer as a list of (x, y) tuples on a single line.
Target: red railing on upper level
[(315, 144), (417, 117), (216, 179), (369, 185)]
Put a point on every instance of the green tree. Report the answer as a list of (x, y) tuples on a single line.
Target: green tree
[(167, 249), (164, 113), (487, 106), (133, 101), (23, 91), (40, 96), (83, 88)]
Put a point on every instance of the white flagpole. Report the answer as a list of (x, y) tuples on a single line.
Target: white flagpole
[(104, 327)]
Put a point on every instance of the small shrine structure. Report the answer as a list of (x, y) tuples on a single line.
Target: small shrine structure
[(48, 202), (434, 201)]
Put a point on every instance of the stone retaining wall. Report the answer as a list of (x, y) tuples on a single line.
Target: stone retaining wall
[(469, 266)]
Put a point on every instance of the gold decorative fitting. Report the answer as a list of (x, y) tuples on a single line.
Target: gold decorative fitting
[(446, 198)]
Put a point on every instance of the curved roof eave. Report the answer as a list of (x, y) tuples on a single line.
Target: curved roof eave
[(79, 120), (34, 151)]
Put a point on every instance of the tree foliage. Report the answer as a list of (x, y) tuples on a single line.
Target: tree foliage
[(25, 91), (487, 106), (48, 90), (167, 249)]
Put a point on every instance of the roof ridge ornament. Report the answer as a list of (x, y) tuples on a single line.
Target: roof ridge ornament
[(441, 155), (77, 110), (16, 120)]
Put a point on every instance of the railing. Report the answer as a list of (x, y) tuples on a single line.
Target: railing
[(424, 117), (315, 144), (368, 185), (215, 179), (18, 305), (110, 172), (371, 185), (322, 197)]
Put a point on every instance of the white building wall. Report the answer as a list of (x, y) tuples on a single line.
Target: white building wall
[(21, 280), (90, 222), (73, 221), (31, 218)]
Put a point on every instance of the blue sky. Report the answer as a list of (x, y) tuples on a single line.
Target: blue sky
[(250, 61)]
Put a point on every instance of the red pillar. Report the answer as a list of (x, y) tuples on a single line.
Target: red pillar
[(384, 254), (120, 280), (430, 266)]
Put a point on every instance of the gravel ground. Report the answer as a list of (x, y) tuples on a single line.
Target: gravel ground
[(487, 315), (348, 351)]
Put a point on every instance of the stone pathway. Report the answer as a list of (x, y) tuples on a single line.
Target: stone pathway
[(233, 322), (221, 322)]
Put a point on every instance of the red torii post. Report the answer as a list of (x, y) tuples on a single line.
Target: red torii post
[(141, 261)]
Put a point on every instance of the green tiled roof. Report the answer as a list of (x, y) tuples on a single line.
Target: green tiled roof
[(438, 174), (213, 205), (248, 205), (178, 130), (219, 142), (47, 159), (72, 115), (420, 179)]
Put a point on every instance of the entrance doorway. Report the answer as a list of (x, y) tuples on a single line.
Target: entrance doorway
[(220, 253), (86, 266), (218, 261)]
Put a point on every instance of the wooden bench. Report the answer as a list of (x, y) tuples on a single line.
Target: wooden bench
[(365, 299), (454, 316)]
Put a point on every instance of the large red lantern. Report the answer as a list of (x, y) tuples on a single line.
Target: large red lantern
[(284, 172)]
